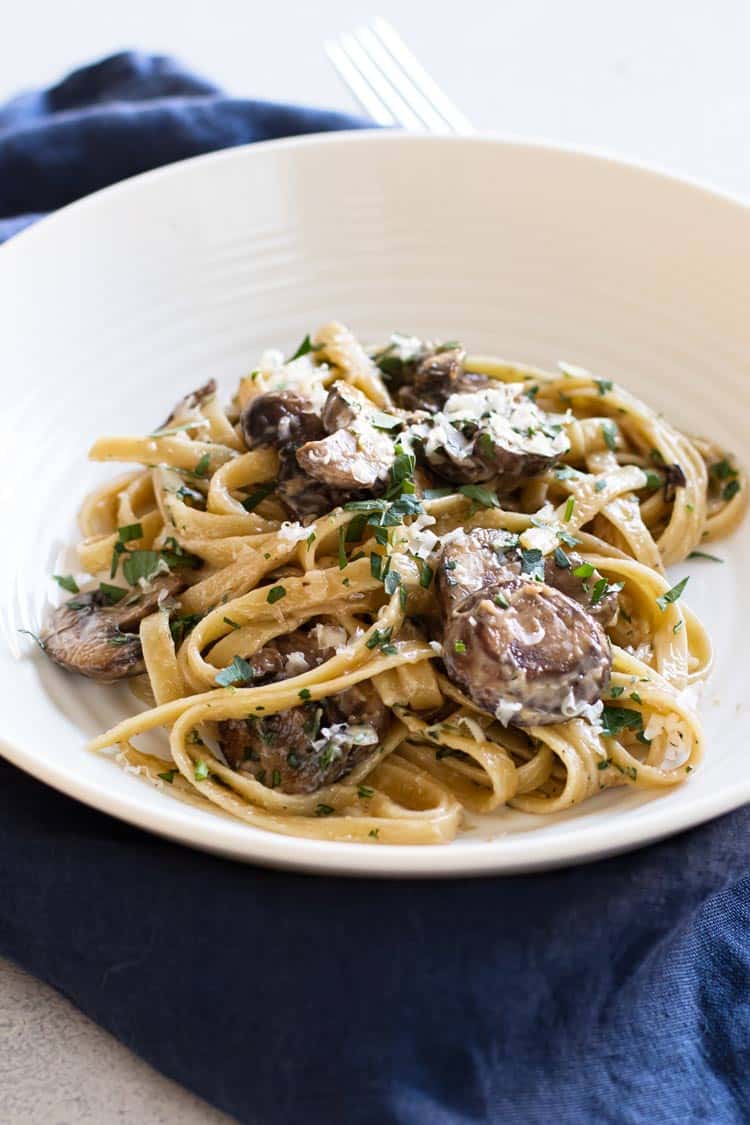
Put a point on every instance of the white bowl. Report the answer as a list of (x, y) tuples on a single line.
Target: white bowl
[(114, 307)]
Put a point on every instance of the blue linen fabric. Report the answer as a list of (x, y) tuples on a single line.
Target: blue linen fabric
[(615, 992)]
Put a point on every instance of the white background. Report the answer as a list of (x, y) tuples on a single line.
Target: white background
[(661, 81)]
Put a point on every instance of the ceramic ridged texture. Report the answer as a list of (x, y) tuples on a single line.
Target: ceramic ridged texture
[(115, 307)]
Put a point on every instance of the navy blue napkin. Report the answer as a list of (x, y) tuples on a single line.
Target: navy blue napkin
[(616, 992)]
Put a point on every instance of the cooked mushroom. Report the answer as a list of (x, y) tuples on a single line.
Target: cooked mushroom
[(436, 377), (305, 748), (191, 401), (424, 375), (495, 432), (527, 653), (90, 636), (356, 455), (483, 557), (351, 460), (280, 418)]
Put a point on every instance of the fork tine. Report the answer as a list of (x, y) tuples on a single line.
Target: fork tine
[(419, 78), (362, 91), (401, 81), (362, 62)]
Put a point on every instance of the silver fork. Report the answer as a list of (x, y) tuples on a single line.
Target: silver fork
[(390, 84)]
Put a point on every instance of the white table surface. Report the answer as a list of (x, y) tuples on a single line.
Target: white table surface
[(660, 81)]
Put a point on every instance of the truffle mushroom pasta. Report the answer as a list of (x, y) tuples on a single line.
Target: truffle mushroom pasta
[(384, 587)]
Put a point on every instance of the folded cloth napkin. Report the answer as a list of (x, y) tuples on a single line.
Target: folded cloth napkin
[(616, 992)]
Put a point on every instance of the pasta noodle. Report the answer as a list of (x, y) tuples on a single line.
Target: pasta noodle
[(627, 490)]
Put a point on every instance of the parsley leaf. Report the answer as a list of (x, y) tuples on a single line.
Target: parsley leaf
[(704, 555), (112, 594), (67, 582), (569, 506), (482, 496), (561, 558), (239, 671), (604, 385), (305, 347), (275, 594), (168, 776), (617, 719), (610, 434), (672, 595), (200, 770), (254, 499), (532, 563)]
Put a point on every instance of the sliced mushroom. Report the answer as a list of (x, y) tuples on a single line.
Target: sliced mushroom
[(483, 557), (496, 432), (280, 419), (357, 458), (436, 377), (190, 402), (302, 749), (90, 636), (526, 653)]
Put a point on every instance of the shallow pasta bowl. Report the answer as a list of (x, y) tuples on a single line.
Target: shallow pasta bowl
[(116, 306)]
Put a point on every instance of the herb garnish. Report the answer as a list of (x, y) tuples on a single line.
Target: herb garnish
[(672, 595), (617, 719), (112, 594), (305, 347), (569, 506), (704, 555), (275, 594), (168, 776), (561, 558), (610, 434), (324, 810), (532, 563), (481, 495), (200, 770), (181, 625), (604, 385), (67, 582), (459, 647), (255, 498), (239, 671)]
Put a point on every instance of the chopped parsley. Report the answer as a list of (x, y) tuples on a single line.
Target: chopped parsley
[(67, 582), (459, 647), (532, 563), (239, 671), (585, 570), (324, 810), (730, 490), (615, 691), (232, 624), (672, 595), (654, 480), (304, 693), (391, 582), (425, 575), (617, 719), (722, 470), (181, 625), (374, 832), (481, 495), (342, 548), (501, 600), (365, 792), (168, 776), (565, 472), (275, 594), (254, 499), (704, 555), (112, 594), (379, 638), (603, 385), (569, 506), (376, 566), (305, 347), (200, 770), (275, 779), (600, 589), (561, 558), (140, 564), (203, 465), (610, 433)]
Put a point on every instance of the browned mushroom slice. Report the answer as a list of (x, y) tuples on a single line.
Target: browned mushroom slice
[(526, 653), (89, 636), (280, 418), (352, 459), (436, 377), (495, 432), (483, 557), (307, 747), (190, 402)]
